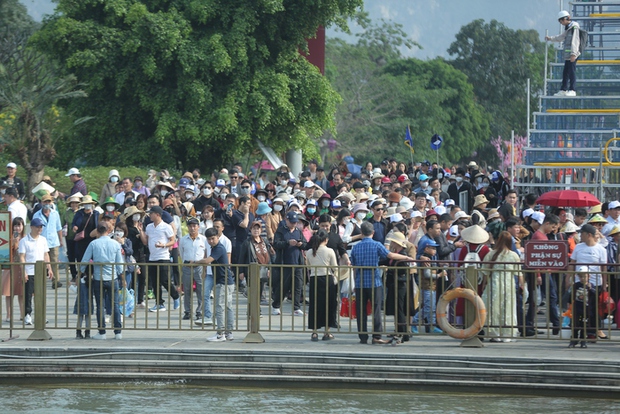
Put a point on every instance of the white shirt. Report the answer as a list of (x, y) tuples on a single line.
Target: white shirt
[(159, 234), (192, 250), (582, 253), (120, 197), (18, 209), (34, 250), (227, 245)]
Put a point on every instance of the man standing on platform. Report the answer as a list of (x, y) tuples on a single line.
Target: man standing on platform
[(570, 37)]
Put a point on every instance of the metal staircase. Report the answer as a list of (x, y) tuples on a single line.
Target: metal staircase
[(576, 138)]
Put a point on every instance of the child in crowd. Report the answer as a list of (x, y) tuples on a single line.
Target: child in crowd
[(428, 285), (582, 297)]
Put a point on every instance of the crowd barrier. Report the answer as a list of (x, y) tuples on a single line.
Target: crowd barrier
[(511, 310)]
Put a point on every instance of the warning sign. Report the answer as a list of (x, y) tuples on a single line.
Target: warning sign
[(546, 255)]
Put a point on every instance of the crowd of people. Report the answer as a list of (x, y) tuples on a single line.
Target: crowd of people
[(420, 220)]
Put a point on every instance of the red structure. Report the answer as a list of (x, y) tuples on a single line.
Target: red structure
[(316, 50)]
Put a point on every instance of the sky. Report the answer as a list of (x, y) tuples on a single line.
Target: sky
[(432, 23)]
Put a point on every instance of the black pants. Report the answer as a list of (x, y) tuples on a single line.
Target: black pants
[(323, 303), (362, 296), (29, 291), (283, 282), (158, 277), (552, 303), (569, 77)]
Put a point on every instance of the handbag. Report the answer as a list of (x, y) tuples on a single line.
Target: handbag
[(264, 270), (81, 235)]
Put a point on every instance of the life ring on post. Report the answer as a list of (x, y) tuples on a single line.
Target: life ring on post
[(442, 313)]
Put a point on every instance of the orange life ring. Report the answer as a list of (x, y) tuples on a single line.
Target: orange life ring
[(442, 313)]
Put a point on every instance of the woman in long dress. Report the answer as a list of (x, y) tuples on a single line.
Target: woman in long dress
[(501, 272), (13, 275)]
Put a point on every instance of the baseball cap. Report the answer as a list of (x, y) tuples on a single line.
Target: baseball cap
[(423, 177), (37, 222), (183, 182), (396, 218), (586, 228), (157, 210), (292, 217), (336, 204), (192, 220), (448, 202), (11, 165), (220, 183), (538, 216), (454, 231), (308, 184), (11, 191), (527, 212), (73, 171), (613, 204)]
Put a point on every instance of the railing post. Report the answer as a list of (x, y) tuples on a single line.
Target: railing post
[(254, 337), (471, 274), (39, 333)]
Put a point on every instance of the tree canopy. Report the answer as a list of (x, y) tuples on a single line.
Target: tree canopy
[(498, 61), (193, 81)]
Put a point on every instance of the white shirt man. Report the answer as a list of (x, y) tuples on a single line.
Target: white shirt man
[(15, 206), (592, 253)]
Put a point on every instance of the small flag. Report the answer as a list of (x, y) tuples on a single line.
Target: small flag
[(436, 141), (408, 139)]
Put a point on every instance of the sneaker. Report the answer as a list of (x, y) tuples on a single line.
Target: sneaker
[(99, 336), (571, 93), (560, 93), (275, 311), (107, 319), (186, 316), (229, 336), (299, 312), (150, 294), (157, 308), (437, 330), (142, 305), (205, 321), (28, 320), (217, 338), (177, 304), (414, 329), (118, 336)]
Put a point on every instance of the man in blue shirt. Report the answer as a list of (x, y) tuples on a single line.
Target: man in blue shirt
[(379, 223), (368, 284), (105, 276), (52, 231)]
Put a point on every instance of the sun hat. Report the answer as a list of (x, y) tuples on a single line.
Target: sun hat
[(360, 207), (597, 218), (43, 186), (431, 212), (398, 238), (614, 230), (571, 227), (165, 184), (87, 199), (386, 180), (47, 197), (113, 173), (480, 199), (72, 171), (493, 214), (263, 208), (596, 209), (130, 211), (396, 218), (110, 200), (189, 207), (460, 215), (75, 198), (475, 234)]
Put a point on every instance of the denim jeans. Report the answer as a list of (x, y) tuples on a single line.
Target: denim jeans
[(428, 309), (223, 298), (569, 77), (208, 304), (191, 275), (105, 290)]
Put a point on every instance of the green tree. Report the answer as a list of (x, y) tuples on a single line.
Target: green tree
[(383, 93), (31, 122), (498, 61), (193, 82)]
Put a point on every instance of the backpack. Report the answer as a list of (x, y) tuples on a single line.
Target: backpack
[(472, 259), (583, 40)]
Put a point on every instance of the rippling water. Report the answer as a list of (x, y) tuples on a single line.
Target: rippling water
[(168, 397)]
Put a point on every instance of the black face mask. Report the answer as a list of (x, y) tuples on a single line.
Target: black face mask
[(195, 176), (169, 210)]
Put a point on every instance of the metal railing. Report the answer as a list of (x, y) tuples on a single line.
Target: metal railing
[(323, 304)]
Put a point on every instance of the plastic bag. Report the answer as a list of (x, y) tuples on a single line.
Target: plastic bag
[(127, 302)]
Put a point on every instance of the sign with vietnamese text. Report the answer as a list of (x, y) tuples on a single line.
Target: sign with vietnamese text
[(546, 254), (5, 237)]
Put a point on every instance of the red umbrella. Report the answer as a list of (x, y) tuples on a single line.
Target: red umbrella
[(568, 198), (264, 165)]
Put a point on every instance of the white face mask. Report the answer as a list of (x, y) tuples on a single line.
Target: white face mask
[(189, 196), (110, 207), (424, 184), (114, 179), (223, 196), (277, 207), (261, 198), (360, 216), (164, 193), (346, 221), (325, 203), (206, 191), (485, 185), (459, 179), (3, 191), (136, 217), (119, 234), (88, 207)]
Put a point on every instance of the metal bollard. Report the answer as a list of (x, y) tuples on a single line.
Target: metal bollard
[(254, 337), (40, 279)]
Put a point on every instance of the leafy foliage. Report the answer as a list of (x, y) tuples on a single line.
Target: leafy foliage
[(193, 82), (498, 61)]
